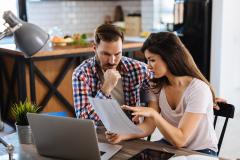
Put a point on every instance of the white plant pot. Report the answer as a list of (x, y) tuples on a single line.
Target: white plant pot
[(24, 134)]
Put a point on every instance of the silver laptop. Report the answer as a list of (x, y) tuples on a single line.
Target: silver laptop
[(68, 138)]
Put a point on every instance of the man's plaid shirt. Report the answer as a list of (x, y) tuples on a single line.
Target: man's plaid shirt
[(86, 83)]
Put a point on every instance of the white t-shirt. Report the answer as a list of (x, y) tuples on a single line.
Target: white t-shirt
[(197, 98)]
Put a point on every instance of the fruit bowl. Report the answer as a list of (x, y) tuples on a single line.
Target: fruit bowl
[(76, 40), (59, 41)]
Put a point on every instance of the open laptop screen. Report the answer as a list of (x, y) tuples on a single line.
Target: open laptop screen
[(68, 138)]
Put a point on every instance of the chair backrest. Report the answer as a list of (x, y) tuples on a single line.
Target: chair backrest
[(226, 110)]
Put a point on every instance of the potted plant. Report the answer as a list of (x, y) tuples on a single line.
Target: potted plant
[(19, 112)]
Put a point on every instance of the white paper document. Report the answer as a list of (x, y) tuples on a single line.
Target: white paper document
[(113, 117), (194, 157)]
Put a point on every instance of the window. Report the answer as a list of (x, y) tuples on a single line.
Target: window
[(163, 13), (7, 5)]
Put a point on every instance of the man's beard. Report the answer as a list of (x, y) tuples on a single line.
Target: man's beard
[(109, 66), (106, 66)]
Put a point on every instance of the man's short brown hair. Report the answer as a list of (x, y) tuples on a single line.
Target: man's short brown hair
[(108, 33)]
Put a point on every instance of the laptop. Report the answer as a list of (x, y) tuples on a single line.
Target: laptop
[(68, 138)]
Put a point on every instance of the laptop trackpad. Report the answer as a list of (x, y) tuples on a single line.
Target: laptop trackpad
[(108, 150)]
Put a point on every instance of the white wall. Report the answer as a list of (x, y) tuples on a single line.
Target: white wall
[(230, 74), (75, 16), (147, 10), (225, 64), (225, 51), (85, 16)]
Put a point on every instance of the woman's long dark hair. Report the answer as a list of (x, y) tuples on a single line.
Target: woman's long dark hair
[(176, 56)]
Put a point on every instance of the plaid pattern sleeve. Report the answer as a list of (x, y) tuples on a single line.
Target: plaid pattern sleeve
[(81, 92), (82, 84)]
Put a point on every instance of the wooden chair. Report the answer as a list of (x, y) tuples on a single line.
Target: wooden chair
[(227, 111)]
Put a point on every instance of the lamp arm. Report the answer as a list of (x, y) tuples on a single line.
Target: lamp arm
[(10, 30), (3, 142), (4, 34), (9, 148)]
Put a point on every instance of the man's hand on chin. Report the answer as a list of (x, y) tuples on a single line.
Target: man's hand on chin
[(111, 77)]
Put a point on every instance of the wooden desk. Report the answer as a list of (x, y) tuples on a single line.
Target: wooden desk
[(44, 78), (129, 149)]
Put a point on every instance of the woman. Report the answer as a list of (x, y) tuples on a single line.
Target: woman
[(183, 109)]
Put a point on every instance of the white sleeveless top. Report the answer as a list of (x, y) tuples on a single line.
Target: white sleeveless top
[(197, 98)]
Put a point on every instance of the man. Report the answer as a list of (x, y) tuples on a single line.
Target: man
[(108, 74)]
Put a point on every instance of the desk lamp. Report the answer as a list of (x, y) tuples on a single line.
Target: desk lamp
[(28, 37)]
